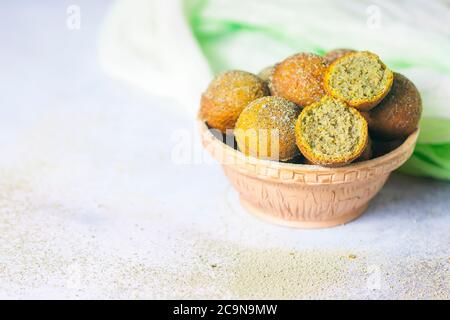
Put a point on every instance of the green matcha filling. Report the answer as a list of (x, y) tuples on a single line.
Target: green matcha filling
[(332, 130), (359, 78)]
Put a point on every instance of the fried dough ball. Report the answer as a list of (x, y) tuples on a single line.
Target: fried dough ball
[(299, 78), (227, 95), (265, 129), (398, 115)]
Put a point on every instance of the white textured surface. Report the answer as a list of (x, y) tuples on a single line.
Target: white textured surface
[(92, 206)]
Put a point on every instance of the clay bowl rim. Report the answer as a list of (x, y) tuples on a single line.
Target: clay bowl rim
[(406, 144)]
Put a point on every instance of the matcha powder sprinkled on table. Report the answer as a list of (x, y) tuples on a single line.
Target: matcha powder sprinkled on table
[(275, 273)]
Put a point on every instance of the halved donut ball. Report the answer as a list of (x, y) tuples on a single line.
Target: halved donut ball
[(360, 79), (330, 133)]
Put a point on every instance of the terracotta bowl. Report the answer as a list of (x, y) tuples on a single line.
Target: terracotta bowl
[(305, 196)]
